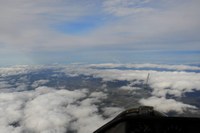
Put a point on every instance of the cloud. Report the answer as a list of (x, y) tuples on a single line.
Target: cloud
[(112, 111), (18, 70), (52, 117), (48, 110), (126, 7), (98, 95), (21, 87), (6, 71), (23, 69), (177, 81), (39, 83), (146, 24), (166, 105), (129, 88), (4, 84), (146, 65), (169, 26), (174, 83), (28, 24), (22, 111), (162, 82)]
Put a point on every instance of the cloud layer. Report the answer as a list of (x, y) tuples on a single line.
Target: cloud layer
[(32, 100), (139, 24), (48, 110), (161, 83)]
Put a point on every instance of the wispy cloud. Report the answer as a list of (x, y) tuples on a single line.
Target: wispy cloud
[(28, 23), (127, 7), (36, 26)]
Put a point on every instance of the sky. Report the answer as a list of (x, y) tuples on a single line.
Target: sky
[(99, 31)]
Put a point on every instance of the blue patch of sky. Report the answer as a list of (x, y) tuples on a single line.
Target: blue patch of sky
[(80, 27)]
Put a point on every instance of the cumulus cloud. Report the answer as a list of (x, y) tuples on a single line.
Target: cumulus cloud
[(112, 111), (129, 88), (21, 87), (4, 84), (166, 105), (48, 110), (17, 70), (98, 95), (162, 82), (7, 71), (174, 83), (24, 69), (39, 83)]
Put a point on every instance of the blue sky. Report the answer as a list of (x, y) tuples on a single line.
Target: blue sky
[(99, 31)]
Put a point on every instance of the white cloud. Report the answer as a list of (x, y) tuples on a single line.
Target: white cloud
[(165, 105), (4, 85), (76, 109), (23, 69), (129, 88), (39, 83), (17, 70), (112, 111), (21, 87), (174, 83), (11, 110), (48, 110), (162, 82), (98, 95)]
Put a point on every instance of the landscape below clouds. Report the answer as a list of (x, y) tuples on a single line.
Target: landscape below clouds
[(82, 97)]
